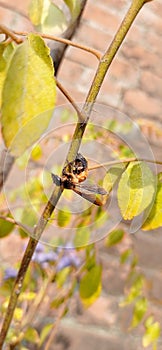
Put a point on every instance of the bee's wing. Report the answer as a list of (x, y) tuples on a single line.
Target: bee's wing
[(92, 189), (87, 193)]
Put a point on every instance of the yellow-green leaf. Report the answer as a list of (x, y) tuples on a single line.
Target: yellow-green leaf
[(154, 219), (5, 228), (63, 217), (151, 335), (31, 335), (36, 153), (112, 176), (18, 314), (29, 95), (62, 276), (55, 21), (139, 311), (28, 218), (90, 285), (6, 52), (114, 237), (74, 7), (45, 332), (47, 17), (36, 11), (82, 236), (136, 189)]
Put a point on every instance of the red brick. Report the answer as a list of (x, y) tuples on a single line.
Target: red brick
[(82, 57), (124, 73), (93, 37), (142, 57), (142, 103), (101, 18), (151, 83), (109, 93)]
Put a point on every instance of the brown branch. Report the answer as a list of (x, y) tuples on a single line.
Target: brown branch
[(70, 99), (63, 41), (10, 33)]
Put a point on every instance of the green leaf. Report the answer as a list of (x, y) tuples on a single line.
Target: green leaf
[(6, 52), (18, 314), (136, 189), (125, 255), (114, 237), (62, 276), (29, 95), (112, 176), (82, 237), (6, 228), (135, 291), (74, 7), (36, 11), (45, 332), (63, 217), (28, 218), (152, 333), (47, 17), (36, 153), (55, 21), (59, 300), (31, 335), (90, 285), (154, 219), (139, 311)]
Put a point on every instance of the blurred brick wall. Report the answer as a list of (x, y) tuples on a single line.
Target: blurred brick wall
[(133, 85)]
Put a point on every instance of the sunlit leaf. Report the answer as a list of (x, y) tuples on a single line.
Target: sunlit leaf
[(6, 52), (36, 153), (154, 218), (28, 218), (31, 335), (36, 11), (152, 333), (55, 304), (74, 7), (6, 228), (125, 255), (114, 237), (29, 95), (62, 276), (55, 21), (90, 285), (135, 291), (27, 296), (63, 217), (45, 332), (82, 237), (47, 17), (112, 176), (136, 189), (18, 313), (139, 311)]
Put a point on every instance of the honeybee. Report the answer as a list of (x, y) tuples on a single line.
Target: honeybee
[(73, 174)]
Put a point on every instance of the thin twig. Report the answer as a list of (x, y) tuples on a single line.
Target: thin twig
[(26, 228), (70, 99), (126, 160), (10, 33), (63, 41)]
